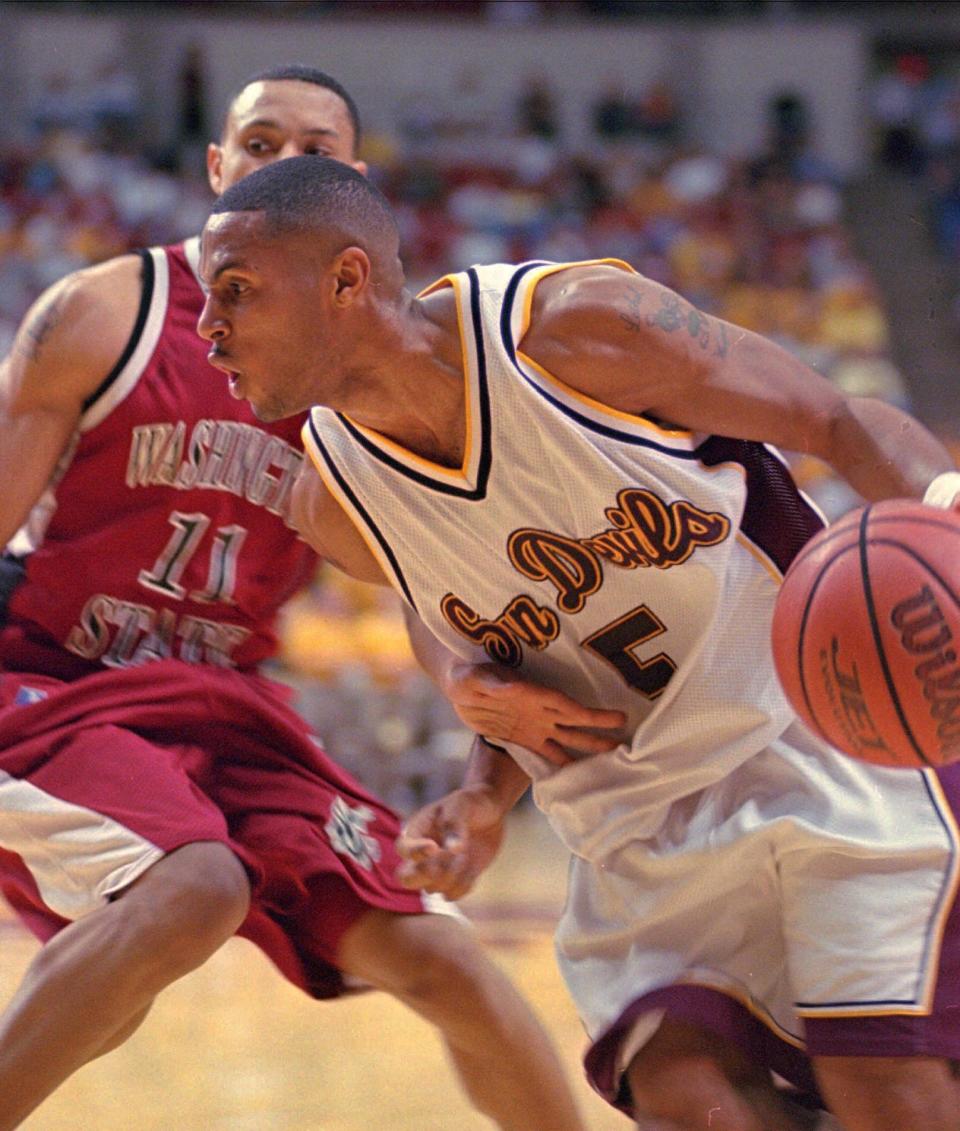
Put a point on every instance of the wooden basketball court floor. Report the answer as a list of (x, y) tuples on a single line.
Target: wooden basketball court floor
[(233, 1047)]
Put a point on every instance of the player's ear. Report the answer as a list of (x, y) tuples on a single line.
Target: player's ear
[(351, 272), (360, 166), (215, 167)]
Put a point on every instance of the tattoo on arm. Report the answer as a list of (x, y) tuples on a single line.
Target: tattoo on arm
[(633, 318), (670, 316), (38, 327), (675, 314)]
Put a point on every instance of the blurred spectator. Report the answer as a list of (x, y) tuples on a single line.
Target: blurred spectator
[(419, 119), (613, 114), (537, 111), (193, 130), (789, 119), (57, 107), (895, 104), (114, 106), (657, 115), (458, 116), (465, 117)]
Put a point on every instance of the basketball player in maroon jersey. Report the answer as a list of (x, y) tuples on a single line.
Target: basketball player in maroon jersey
[(151, 810)]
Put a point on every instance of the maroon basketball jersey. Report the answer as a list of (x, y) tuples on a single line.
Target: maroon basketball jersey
[(165, 529)]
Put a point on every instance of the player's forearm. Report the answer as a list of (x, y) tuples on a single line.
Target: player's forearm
[(32, 444), (883, 453), (492, 768)]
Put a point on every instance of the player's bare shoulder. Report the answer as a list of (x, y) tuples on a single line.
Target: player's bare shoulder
[(74, 334), (567, 302), (622, 338)]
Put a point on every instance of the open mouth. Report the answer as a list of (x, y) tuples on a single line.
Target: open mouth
[(220, 361)]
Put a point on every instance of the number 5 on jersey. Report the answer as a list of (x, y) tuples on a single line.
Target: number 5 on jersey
[(616, 642)]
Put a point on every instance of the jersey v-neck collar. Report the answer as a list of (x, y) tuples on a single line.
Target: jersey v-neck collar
[(470, 479)]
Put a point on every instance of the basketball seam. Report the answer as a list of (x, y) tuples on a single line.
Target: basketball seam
[(877, 639), (829, 534), (812, 714)]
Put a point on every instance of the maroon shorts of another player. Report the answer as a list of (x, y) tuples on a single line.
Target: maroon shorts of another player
[(101, 776)]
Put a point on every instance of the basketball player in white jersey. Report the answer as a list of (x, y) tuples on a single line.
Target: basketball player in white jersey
[(564, 471), (155, 796)]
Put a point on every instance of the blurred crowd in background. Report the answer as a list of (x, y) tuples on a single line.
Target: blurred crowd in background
[(916, 110), (761, 241)]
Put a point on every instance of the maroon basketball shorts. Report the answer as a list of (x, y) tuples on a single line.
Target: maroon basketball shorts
[(102, 776)]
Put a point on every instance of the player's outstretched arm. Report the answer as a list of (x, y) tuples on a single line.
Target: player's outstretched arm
[(448, 844), (637, 346), (499, 705), (70, 340)]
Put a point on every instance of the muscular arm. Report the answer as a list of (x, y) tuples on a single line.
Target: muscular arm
[(636, 346), (69, 341)]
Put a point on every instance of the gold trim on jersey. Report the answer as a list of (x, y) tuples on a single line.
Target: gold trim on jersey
[(749, 1004), (764, 559)]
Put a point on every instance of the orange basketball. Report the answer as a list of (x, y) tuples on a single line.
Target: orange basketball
[(866, 634)]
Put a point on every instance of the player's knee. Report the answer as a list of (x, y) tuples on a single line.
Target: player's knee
[(905, 1089), (195, 898), (689, 1092), (429, 961), (212, 889), (448, 962)]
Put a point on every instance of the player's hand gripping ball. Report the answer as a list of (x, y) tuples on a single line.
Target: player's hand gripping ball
[(866, 634)]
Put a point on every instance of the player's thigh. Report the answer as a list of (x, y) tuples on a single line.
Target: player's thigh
[(99, 811), (865, 861), (404, 954)]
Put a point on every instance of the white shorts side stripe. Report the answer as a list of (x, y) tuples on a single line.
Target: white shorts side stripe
[(77, 857)]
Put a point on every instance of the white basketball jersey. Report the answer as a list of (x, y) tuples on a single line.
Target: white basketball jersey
[(632, 564)]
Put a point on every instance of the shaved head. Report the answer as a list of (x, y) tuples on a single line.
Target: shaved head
[(321, 196)]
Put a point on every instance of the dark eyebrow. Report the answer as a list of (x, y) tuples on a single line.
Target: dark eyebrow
[(231, 265), (271, 124)]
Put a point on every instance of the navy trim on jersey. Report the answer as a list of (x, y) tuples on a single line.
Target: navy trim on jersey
[(506, 308), (146, 296), (355, 502), (471, 494), (483, 391)]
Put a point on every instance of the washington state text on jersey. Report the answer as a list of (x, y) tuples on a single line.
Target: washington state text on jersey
[(222, 455)]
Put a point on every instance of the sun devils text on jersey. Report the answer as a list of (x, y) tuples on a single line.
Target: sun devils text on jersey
[(632, 564), (164, 530)]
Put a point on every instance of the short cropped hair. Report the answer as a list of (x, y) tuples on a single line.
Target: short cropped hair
[(300, 72), (315, 194)]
